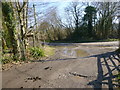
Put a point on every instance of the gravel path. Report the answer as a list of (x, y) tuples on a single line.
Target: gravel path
[(96, 69)]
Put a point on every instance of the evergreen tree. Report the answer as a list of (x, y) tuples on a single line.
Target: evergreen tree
[(89, 17), (9, 28)]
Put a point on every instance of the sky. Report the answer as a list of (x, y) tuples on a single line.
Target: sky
[(60, 9), (59, 5), (45, 8)]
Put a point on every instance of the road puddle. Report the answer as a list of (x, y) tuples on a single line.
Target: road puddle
[(71, 51), (81, 53)]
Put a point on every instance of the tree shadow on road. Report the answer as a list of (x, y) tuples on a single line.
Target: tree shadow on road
[(106, 61)]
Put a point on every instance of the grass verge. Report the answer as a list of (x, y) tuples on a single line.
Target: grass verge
[(38, 53), (118, 50)]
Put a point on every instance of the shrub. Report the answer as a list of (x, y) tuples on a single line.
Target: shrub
[(118, 50), (37, 52), (6, 59)]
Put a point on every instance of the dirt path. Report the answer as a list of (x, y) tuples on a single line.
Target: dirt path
[(95, 67)]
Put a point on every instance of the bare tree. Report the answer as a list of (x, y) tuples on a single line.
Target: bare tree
[(119, 30), (106, 13), (56, 23), (74, 11), (21, 9)]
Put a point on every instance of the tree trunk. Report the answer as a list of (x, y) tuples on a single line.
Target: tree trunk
[(21, 38), (9, 18), (22, 23), (119, 31)]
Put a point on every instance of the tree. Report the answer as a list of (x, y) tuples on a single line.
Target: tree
[(89, 17), (106, 15), (9, 28), (118, 13), (21, 10), (56, 24), (119, 31), (74, 10)]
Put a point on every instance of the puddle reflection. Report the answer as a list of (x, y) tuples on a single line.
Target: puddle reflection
[(72, 51)]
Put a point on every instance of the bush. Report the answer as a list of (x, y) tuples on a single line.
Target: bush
[(6, 58), (118, 79), (118, 50), (37, 52)]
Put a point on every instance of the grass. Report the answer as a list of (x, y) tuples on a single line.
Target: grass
[(6, 59), (37, 52), (31, 54), (40, 52), (118, 50), (118, 78), (49, 51)]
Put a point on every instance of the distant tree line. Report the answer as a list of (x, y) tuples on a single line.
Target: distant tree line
[(96, 23)]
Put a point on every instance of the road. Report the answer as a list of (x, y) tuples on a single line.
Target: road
[(76, 65)]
